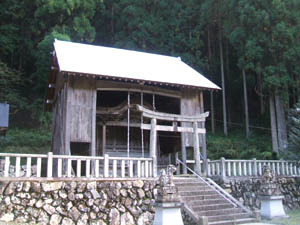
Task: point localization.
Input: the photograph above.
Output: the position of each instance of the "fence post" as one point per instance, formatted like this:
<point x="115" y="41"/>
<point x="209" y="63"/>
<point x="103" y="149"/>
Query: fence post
<point x="254" y="167"/>
<point x="282" y="167"/>
<point x="178" y="164"/>
<point x="6" y="168"/>
<point x="208" y="168"/>
<point x="170" y="158"/>
<point x="106" y="165"/>
<point x="50" y="164"/>
<point x="223" y="168"/>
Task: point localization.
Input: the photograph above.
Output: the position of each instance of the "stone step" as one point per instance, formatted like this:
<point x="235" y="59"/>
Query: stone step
<point x="188" y="183"/>
<point x="194" y="188"/>
<point x="198" y="193"/>
<point x="219" y="212"/>
<point x="232" y="217"/>
<point x="207" y="202"/>
<point x="203" y="200"/>
<point x="201" y="207"/>
<point x="231" y="222"/>
<point x="202" y="197"/>
<point x="188" y="180"/>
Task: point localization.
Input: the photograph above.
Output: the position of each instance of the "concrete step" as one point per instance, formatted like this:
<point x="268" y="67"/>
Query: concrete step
<point x="187" y="180"/>
<point x="219" y="212"/>
<point x="194" y="188"/>
<point x="230" y="222"/>
<point x="202" y="207"/>
<point x="232" y="217"/>
<point x="199" y="193"/>
<point x="199" y="196"/>
<point x="207" y="202"/>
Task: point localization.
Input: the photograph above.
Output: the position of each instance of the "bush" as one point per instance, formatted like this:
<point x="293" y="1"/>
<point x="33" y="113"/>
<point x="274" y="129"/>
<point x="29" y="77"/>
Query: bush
<point x="294" y="129"/>
<point x="235" y="146"/>
<point x="26" y="141"/>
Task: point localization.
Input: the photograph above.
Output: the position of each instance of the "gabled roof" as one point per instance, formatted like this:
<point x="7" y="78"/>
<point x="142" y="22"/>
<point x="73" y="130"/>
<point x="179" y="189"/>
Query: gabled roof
<point x="125" y="65"/>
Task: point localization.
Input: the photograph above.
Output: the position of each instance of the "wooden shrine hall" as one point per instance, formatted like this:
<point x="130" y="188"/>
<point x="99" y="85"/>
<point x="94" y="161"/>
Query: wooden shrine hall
<point x="125" y="103"/>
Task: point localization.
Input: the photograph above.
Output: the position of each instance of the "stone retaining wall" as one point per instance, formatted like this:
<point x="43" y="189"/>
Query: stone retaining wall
<point x="126" y="202"/>
<point x="246" y="191"/>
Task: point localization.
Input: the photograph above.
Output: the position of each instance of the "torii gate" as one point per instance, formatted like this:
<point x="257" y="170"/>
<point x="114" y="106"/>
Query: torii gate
<point x="174" y="118"/>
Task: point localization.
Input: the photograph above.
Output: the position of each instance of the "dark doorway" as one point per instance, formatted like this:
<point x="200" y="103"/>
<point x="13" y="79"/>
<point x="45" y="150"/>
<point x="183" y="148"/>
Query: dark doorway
<point x="82" y="149"/>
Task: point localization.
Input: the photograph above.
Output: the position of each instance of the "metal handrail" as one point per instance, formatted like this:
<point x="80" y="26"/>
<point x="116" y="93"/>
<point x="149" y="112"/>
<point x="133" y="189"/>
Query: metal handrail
<point x="217" y="188"/>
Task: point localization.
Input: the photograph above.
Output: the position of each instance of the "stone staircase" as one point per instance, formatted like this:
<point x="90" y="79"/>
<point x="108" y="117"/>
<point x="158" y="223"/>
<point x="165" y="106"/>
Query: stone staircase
<point x="204" y="199"/>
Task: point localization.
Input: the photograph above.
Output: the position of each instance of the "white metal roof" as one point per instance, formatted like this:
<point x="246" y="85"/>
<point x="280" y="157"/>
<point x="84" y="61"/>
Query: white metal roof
<point x="126" y="64"/>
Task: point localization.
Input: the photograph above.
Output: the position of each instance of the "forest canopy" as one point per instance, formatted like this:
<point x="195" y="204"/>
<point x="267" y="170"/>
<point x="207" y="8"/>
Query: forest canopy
<point x="249" y="48"/>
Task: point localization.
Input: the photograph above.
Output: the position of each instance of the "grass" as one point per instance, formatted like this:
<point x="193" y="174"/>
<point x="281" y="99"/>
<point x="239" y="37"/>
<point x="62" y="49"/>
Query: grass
<point x="294" y="219"/>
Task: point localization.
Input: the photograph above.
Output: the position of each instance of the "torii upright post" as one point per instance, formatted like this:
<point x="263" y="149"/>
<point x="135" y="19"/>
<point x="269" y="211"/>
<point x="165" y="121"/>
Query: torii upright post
<point x="153" y="145"/>
<point x="196" y="149"/>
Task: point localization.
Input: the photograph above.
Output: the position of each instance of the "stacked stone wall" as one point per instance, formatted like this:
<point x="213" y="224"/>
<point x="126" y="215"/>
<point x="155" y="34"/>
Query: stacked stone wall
<point x="126" y="202"/>
<point x="246" y="191"/>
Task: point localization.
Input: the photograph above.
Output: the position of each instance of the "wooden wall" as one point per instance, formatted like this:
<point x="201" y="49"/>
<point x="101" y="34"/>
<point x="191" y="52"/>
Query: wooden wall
<point x="190" y="106"/>
<point x="74" y="115"/>
<point x="58" y="122"/>
<point x="74" y="112"/>
<point x="81" y="110"/>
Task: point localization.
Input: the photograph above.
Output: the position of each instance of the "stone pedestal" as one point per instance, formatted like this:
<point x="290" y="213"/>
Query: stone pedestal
<point x="271" y="206"/>
<point x="167" y="205"/>
<point x="168" y="213"/>
<point x="270" y="196"/>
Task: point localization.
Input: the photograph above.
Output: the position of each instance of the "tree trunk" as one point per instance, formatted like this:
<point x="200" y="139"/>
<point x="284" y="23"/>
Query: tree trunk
<point x="246" y="104"/>
<point x="212" y="110"/>
<point x="259" y="92"/>
<point x="281" y="123"/>
<point x="112" y="31"/>
<point x="223" y="84"/>
<point x="273" y="125"/>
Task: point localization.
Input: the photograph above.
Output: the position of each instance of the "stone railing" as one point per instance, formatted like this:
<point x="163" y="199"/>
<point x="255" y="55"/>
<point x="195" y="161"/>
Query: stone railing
<point x="246" y="168"/>
<point x="42" y="165"/>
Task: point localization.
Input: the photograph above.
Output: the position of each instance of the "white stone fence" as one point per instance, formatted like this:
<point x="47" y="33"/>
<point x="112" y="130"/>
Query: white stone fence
<point x="230" y="168"/>
<point x="244" y="168"/>
<point x="49" y="165"/>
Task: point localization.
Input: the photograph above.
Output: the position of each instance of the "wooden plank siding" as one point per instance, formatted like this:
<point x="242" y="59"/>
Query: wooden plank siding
<point x="58" y="128"/>
<point x="81" y="110"/>
<point x="191" y="104"/>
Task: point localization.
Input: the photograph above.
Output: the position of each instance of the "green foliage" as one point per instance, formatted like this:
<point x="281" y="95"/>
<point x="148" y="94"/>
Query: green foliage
<point x="294" y="129"/>
<point x="259" y="36"/>
<point x="42" y="62"/>
<point x="235" y="146"/>
<point x="26" y="141"/>
<point x="266" y="37"/>
<point x="10" y="85"/>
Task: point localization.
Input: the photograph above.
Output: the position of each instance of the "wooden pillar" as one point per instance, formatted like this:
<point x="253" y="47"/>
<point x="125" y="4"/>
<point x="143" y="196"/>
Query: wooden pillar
<point x="153" y="145"/>
<point x="203" y="136"/>
<point x="103" y="139"/>
<point x="93" y="124"/>
<point x="128" y="123"/>
<point x="91" y="170"/>
<point x="67" y="111"/>
<point x="183" y="153"/>
<point x="68" y="96"/>
<point x="196" y="149"/>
